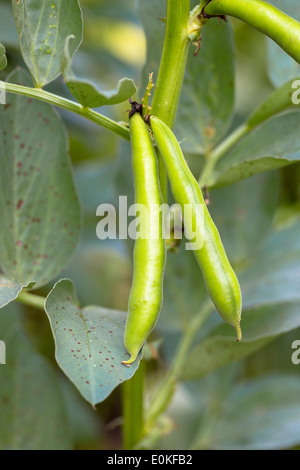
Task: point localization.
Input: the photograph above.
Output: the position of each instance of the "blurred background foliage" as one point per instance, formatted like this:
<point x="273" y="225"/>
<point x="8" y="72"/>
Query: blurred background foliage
<point x="248" y="394"/>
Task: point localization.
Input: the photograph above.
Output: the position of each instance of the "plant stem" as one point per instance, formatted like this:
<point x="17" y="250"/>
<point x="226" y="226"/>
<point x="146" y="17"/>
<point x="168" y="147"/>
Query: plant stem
<point x="265" y="17"/>
<point x="167" y="389"/>
<point x="214" y="157"/>
<point x="173" y="61"/>
<point x="69" y="105"/>
<point x="164" y="105"/>
<point x="133" y="409"/>
<point x="32" y="300"/>
<point x="171" y="71"/>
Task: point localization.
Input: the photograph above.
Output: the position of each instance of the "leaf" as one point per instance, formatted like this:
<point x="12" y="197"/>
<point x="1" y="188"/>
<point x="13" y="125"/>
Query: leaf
<point x="95" y="184"/>
<point x="278" y="101"/>
<point x="184" y="291"/>
<point x="278" y="265"/>
<point x="42" y="29"/>
<point x="3" y="58"/>
<point x="281" y="67"/>
<point x="260" y="414"/>
<point x="86" y="92"/>
<point x="271" y="305"/>
<point x="207" y="99"/>
<point x="89" y="343"/>
<point x="32" y="415"/>
<point x="244" y="222"/>
<point x="9" y="290"/>
<point x="40" y="213"/>
<point x="8" y="33"/>
<point x="259" y="325"/>
<point x="273" y="144"/>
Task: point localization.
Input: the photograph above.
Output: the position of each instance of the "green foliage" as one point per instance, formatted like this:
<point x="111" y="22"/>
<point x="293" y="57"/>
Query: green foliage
<point x="89" y="343"/>
<point x="85" y="91"/>
<point x="42" y="29"/>
<point x="207" y="98"/>
<point x="32" y="414"/>
<point x="40" y="220"/>
<point x="9" y="290"/>
<point x="280" y="66"/>
<point x="228" y="395"/>
<point x="258" y="151"/>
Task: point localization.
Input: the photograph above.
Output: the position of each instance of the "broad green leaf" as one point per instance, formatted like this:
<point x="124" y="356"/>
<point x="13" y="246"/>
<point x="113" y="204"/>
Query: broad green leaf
<point x="3" y="58"/>
<point x="32" y="414"/>
<point x="260" y="414"/>
<point x="9" y="290"/>
<point x="244" y="222"/>
<point x="43" y="27"/>
<point x="271" y="301"/>
<point x="278" y="101"/>
<point x="274" y="275"/>
<point x="85" y="425"/>
<point x="40" y="213"/>
<point x="207" y="98"/>
<point x="89" y="343"/>
<point x="8" y="33"/>
<point x="215" y="352"/>
<point x="273" y="144"/>
<point x="281" y="67"/>
<point x="260" y="326"/>
<point x="95" y="184"/>
<point x="86" y="92"/>
<point x="184" y="290"/>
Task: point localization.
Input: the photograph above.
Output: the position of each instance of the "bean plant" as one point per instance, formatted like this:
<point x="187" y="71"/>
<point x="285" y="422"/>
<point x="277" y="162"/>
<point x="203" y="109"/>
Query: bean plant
<point x="225" y="77"/>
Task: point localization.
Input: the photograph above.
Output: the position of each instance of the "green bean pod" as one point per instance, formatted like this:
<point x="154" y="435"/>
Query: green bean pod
<point x="268" y="19"/>
<point x="220" y="279"/>
<point x="146" y="293"/>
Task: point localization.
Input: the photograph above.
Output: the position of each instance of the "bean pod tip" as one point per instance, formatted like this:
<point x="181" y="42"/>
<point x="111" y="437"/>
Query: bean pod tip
<point x="238" y="332"/>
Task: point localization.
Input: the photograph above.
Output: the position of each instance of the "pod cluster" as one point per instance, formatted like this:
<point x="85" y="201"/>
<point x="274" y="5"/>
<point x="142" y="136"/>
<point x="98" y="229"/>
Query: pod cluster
<point x="146" y="294"/>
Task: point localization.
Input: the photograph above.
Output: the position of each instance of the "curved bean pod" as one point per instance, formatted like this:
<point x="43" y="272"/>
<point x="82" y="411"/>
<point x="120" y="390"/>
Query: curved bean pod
<point x="220" y="279"/>
<point x="268" y="19"/>
<point x="146" y="293"/>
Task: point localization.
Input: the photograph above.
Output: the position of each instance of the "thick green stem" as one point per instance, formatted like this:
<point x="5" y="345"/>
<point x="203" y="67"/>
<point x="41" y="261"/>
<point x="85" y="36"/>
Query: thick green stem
<point x="164" y="105"/>
<point x="69" y="105"/>
<point x="265" y="17"/>
<point x="214" y="157"/>
<point x="133" y="408"/>
<point x="166" y="390"/>
<point x="173" y="61"/>
<point x="32" y="300"/>
<point x="171" y="71"/>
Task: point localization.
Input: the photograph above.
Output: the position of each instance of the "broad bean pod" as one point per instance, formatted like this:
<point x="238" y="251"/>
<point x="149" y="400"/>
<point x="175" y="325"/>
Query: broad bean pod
<point x="220" y="278"/>
<point x="146" y="293"/>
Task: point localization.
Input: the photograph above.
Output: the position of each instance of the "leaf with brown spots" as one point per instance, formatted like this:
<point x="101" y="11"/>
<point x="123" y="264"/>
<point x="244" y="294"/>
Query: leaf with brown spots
<point x="40" y="212"/>
<point x="42" y="28"/>
<point x="9" y="290"/>
<point x="89" y="343"/>
<point x="32" y="408"/>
